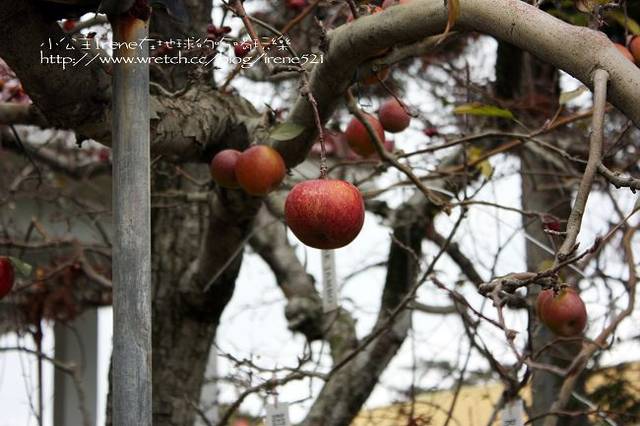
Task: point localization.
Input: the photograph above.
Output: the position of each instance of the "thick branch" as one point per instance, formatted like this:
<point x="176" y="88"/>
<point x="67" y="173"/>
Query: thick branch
<point x="576" y="50"/>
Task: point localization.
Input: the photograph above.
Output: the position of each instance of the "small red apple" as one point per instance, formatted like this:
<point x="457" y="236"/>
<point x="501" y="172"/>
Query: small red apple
<point x="325" y="213"/>
<point x="296" y="5"/>
<point x="242" y="49"/>
<point x="624" y="51"/>
<point x="329" y="144"/>
<point x="393" y="116"/>
<point x="431" y="131"/>
<point x="543" y="297"/>
<point x="69" y="25"/>
<point x="564" y="313"/>
<point x="223" y="168"/>
<point x="259" y="170"/>
<point x="7" y="276"/>
<point x="634" y="48"/>
<point x="358" y="137"/>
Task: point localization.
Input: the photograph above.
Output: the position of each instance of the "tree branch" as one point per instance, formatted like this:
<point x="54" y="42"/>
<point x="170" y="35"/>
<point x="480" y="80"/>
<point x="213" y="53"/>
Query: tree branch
<point x="595" y="154"/>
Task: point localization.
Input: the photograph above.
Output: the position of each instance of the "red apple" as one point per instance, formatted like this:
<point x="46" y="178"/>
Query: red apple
<point x="223" y="168"/>
<point x="634" y="48"/>
<point x="393" y="117"/>
<point x="259" y="170"/>
<point x="296" y="5"/>
<point x="624" y="51"/>
<point x="564" y="313"/>
<point x="241" y="49"/>
<point x="431" y="132"/>
<point x="325" y="213"/>
<point x="329" y="144"/>
<point x="69" y="24"/>
<point x="543" y="297"/>
<point x="358" y="137"/>
<point x="7" y="276"/>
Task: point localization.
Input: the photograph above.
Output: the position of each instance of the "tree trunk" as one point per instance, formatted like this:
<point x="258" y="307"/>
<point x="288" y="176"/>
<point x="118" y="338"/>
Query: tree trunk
<point x="185" y="317"/>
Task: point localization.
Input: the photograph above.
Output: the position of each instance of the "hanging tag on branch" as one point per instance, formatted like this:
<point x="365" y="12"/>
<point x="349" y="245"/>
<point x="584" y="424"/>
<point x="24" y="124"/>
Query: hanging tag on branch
<point x="512" y="413"/>
<point x="329" y="281"/>
<point x="278" y="414"/>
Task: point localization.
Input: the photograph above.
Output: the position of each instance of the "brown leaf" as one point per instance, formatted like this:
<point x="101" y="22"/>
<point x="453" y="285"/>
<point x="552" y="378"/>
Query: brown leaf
<point x="453" y="7"/>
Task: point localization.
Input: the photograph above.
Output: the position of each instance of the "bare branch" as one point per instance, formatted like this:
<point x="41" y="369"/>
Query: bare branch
<point x="600" y="78"/>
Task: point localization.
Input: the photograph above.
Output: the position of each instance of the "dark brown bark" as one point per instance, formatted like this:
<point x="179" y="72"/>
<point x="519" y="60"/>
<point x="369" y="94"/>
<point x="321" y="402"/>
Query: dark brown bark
<point x="191" y="244"/>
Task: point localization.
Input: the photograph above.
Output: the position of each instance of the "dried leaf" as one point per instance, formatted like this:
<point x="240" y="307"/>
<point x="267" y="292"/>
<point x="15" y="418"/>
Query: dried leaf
<point x="453" y="13"/>
<point x="566" y="97"/>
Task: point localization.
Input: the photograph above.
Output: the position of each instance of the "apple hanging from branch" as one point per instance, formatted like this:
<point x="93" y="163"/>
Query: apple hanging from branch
<point x="563" y="312"/>
<point x="325" y="213"/>
<point x="259" y="170"/>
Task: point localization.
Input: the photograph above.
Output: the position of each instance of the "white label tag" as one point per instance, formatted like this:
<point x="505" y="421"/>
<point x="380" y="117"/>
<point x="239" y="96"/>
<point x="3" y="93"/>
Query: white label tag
<point x="329" y="281"/>
<point x="512" y="413"/>
<point x="278" y="415"/>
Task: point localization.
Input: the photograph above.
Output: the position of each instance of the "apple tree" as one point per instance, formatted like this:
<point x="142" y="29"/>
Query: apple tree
<point x="229" y="169"/>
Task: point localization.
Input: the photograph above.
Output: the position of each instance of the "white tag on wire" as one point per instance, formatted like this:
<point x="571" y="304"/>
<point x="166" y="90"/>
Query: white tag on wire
<point x="278" y="414"/>
<point x="329" y="281"/>
<point x="512" y="413"/>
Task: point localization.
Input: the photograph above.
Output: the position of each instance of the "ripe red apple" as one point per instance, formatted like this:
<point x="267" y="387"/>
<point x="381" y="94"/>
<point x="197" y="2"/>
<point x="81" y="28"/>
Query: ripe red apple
<point x="296" y="5"/>
<point x="393" y="117"/>
<point x="543" y="297"/>
<point x="7" y="276"/>
<point x="624" y="51"/>
<point x="431" y="131"/>
<point x="241" y="49"/>
<point x="223" y="168"/>
<point x="358" y="137"/>
<point x="69" y="24"/>
<point x="329" y="144"/>
<point x="634" y="48"/>
<point x="259" y="170"/>
<point x="325" y="213"/>
<point x="564" y="313"/>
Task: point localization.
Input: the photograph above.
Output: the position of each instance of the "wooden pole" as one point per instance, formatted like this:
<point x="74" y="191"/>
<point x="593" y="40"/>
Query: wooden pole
<point x="132" y="220"/>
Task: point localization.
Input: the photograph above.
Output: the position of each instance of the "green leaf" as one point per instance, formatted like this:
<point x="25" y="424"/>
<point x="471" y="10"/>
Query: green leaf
<point x="286" y="131"/>
<point x="632" y="25"/>
<point x="483" y="110"/>
<point x="566" y="97"/>
<point x="23" y="268"/>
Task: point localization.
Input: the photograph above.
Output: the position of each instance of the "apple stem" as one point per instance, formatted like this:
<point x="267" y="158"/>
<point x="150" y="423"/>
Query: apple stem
<point x="323" y="153"/>
<point x="323" y="156"/>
